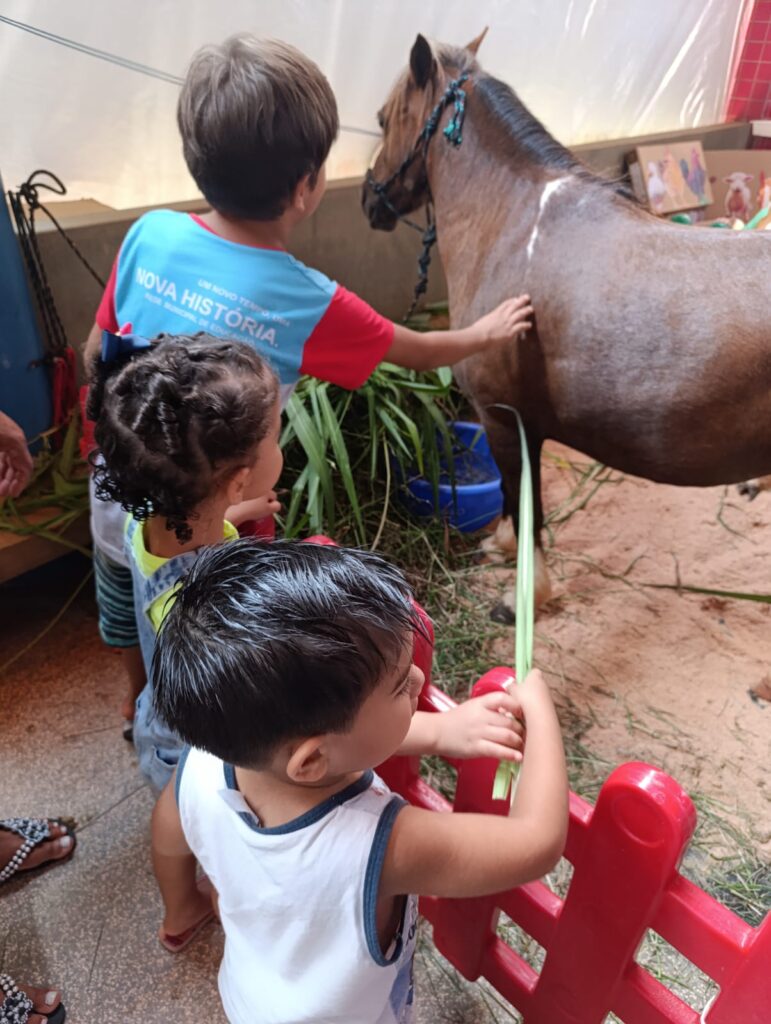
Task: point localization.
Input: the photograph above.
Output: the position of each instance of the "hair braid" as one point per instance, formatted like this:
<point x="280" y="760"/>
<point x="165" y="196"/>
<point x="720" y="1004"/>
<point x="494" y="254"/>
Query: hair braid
<point x="171" y="421"/>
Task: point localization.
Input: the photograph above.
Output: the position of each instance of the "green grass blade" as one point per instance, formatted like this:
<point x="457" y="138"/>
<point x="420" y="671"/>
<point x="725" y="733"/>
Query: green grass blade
<point x="733" y="595"/>
<point x="374" y="433"/>
<point x="525" y="564"/>
<point x="440" y="429"/>
<point x="505" y="777"/>
<point x="444" y="373"/>
<point x="320" y="489"/>
<point x="398" y="443"/>
<point x="299" y="491"/>
<point x="340" y="451"/>
<point x="411" y="430"/>
<point x="315" y="505"/>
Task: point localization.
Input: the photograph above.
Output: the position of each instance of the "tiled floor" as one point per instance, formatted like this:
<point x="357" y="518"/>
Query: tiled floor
<point x="89" y="926"/>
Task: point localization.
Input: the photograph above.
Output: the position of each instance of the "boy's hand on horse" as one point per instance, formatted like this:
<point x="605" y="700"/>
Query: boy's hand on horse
<point x="513" y="317"/>
<point x="428" y="350"/>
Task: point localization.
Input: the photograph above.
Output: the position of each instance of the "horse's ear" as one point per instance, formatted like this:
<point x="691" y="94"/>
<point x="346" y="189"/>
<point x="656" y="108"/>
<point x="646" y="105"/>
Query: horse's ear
<point x="473" y="46"/>
<point x="422" y="62"/>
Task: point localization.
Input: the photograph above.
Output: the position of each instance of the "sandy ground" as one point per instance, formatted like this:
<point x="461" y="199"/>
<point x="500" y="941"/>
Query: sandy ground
<point x="680" y="680"/>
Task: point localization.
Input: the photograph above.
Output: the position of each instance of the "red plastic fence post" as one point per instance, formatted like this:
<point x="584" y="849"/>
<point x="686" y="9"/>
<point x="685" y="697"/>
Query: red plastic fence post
<point x="464" y="929"/>
<point x="637" y="834"/>
<point x="745" y="996"/>
<point x="423" y="653"/>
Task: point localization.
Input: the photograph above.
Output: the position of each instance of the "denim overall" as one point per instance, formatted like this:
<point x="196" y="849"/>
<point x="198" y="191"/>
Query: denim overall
<point x="158" y="747"/>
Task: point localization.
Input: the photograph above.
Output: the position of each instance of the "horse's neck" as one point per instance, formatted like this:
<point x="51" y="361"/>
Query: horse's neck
<point x="487" y="209"/>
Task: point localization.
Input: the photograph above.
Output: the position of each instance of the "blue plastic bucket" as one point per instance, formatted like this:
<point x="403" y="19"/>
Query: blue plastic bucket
<point x="478" y="497"/>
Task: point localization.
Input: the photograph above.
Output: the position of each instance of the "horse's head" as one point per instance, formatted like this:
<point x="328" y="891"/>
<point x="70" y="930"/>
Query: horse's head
<point x="397" y="181"/>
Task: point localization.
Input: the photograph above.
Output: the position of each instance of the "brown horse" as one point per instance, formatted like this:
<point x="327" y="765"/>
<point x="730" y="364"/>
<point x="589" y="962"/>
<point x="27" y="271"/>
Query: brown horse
<point x="651" y="350"/>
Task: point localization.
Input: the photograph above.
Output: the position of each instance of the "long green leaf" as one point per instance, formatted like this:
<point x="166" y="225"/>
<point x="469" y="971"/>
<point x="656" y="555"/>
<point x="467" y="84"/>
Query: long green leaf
<point x="506" y="774"/>
<point x="444" y="373"/>
<point x="373" y="433"/>
<point x="315" y="505"/>
<point x="412" y="431"/>
<point x="340" y="451"/>
<point x="299" y="489"/>
<point x="312" y="445"/>
<point x="447" y="439"/>
<point x="393" y="431"/>
<point x="733" y="595"/>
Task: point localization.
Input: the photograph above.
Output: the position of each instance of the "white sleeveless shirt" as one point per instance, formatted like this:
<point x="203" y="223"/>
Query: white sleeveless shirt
<point x="297" y="902"/>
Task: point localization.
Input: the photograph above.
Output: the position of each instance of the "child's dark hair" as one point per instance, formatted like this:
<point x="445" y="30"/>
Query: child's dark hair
<point x="270" y="642"/>
<point x="172" y="417"/>
<point x="255" y="117"/>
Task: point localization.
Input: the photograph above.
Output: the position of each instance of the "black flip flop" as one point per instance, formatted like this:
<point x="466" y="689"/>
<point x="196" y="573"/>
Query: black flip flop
<point x="58" y="1016"/>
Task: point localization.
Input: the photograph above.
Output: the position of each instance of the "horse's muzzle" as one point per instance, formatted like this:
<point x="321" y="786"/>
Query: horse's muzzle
<point x="376" y="211"/>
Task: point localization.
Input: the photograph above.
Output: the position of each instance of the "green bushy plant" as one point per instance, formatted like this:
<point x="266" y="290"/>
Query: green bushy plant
<point x="347" y="451"/>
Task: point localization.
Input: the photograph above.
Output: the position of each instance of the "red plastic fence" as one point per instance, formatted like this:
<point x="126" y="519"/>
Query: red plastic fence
<point x="625" y="852"/>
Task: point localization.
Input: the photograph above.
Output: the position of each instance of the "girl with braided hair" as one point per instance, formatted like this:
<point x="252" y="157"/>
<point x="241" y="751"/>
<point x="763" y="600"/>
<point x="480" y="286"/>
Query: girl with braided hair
<point x="187" y="431"/>
<point x="187" y="434"/>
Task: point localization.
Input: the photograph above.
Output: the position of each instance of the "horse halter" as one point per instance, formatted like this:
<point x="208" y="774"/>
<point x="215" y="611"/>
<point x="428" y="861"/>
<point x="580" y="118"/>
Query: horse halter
<point x="453" y="132"/>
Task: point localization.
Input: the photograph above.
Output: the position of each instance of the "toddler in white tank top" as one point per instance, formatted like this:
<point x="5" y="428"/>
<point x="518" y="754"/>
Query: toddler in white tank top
<point x="288" y="668"/>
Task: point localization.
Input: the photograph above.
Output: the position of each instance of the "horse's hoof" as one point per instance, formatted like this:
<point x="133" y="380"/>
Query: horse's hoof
<point x="749" y="489"/>
<point x="543" y="591"/>
<point x="502" y="614"/>
<point x="501" y="545"/>
<point x="492" y="557"/>
<point x="491" y="553"/>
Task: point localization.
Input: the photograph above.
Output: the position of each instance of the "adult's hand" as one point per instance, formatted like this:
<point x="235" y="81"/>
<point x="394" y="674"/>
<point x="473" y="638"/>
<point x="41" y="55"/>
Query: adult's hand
<point x="15" y="459"/>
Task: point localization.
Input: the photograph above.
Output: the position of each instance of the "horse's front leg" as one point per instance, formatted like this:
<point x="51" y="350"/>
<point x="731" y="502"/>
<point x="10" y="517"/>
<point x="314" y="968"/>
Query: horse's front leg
<point x="502" y="545"/>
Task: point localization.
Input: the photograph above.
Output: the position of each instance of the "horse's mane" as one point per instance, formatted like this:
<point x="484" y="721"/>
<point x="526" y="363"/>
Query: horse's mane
<point x="528" y="136"/>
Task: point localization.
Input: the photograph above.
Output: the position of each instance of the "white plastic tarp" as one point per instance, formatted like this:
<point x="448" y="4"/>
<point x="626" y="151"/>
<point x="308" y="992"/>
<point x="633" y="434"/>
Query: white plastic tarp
<point x="589" y="69"/>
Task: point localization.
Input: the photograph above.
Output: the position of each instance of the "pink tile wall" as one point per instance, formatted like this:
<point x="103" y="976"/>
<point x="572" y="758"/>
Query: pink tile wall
<point x="750" y="94"/>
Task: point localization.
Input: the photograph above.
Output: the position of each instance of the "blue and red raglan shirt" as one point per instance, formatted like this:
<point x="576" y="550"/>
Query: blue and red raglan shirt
<point x="174" y="275"/>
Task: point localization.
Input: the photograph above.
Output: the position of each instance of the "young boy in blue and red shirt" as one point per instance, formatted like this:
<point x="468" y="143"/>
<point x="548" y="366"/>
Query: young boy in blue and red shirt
<point x="257" y="120"/>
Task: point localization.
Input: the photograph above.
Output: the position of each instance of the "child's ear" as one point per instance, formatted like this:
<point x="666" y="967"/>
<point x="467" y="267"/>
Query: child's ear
<point x="303" y="189"/>
<point x="308" y="763"/>
<point x="236" y="484"/>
